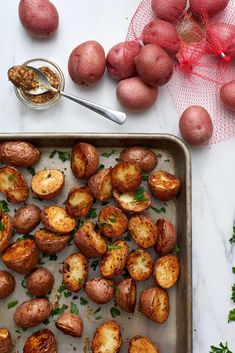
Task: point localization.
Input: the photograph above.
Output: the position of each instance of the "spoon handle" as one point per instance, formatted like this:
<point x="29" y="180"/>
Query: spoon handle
<point x="111" y="114"/>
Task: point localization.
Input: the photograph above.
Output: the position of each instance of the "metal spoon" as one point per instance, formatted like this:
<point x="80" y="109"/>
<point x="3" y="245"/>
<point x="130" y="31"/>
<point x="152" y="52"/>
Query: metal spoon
<point x="45" y="86"/>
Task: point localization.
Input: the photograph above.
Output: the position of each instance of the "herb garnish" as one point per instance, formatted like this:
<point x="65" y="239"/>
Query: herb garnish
<point x="52" y="154"/>
<point x="111" y="247"/>
<point x="80" y="280"/>
<point x="31" y="171"/>
<point x="67" y="294"/>
<point x="233" y="269"/>
<point x="145" y="178"/>
<point x="98" y="318"/>
<point x="231" y="315"/>
<point x="232" y="239"/>
<point x="92" y="214"/>
<point x="4" y="206"/>
<point x="221" y="349"/>
<point x="139" y="195"/>
<point x="159" y="155"/>
<point x="113" y="219"/>
<point x="12" y="304"/>
<point x="46" y="322"/>
<point x="115" y="312"/>
<point x="101" y="166"/>
<point x="2" y="227"/>
<point x="53" y="258"/>
<point x="107" y="154"/>
<point x="23" y="282"/>
<point x="233" y="293"/>
<point x="127" y="237"/>
<point x="29" y="294"/>
<point x="59" y="310"/>
<point x="159" y="210"/>
<point x="11" y="177"/>
<point x="177" y="249"/>
<point x="25" y="236"/>
<point x="94" y="265"/>
<point x="74" y="308"/>
<point x="83" y="301"/>
<point x="64" y="156"/>
<point x="97" y="311"/>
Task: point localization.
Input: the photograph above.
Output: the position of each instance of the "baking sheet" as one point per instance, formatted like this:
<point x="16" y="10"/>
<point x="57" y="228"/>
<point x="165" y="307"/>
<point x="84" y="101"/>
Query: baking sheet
<point x="174" y="336"/>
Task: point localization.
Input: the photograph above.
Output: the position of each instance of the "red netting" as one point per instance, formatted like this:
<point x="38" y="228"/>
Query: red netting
<point x="205" y="62"/>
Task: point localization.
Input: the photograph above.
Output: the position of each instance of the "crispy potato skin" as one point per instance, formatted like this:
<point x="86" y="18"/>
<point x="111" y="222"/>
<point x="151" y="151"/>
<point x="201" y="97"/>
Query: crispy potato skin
<point x="166" y="271"/>
<point x="18" y="154"/>
<point x="84" y="160"/>
<point x="89" y="240"/>
<point x="50" y="243"/>
<point x="154" y="303"/>
<point x="40" y="282"/>
<point x="41" y="342"/>
<point x="146" y="159"/>
<point x="75" y="271"/>
<point x="56" y="219"/>
<point x="100" y="290"/>
<point x="127" y="202"/>
<point x="7" y="284"/>
<point x="143" y="230"/>
<point x="5" y="341"/>
<point x="167" y="237"/>
<point x="21" y="256"/>
<point x="7" y="231"/>
<point x="126" y="176"/>
<point x="107" y="338"/>
<point x="125" y="295"/>
<point x="163" y="185"/>
<point x="79" y="202"/>
<point x="27" y="218"/>
<point x="112" y="222"/>
<point x="114" y="261"/>
<point x="101" y="184"/>
<point x="13" y="185"/>
<point x="140" y="265"/>
<point x="70" y="324"/>
<point x="48" y="183"/>
<point x="141" y="344"/>
<point x="32" y="312"/>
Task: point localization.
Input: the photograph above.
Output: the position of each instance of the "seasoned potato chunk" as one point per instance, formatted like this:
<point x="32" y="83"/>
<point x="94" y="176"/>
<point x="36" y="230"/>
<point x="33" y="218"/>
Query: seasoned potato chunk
<point x="141" y="344"/>
<point x="41" y="342"/>
<point x="6" y="230"/>
<point x="18" y="153"/>
<point x="140" y="264"/>
<point x="114" y="261"/>
<point x="143" y="230"/>
<point x="107" y="338"/>
<point x="126" y="176"/>
<point x="57" y="220"/>
<point x="7" y="284"/>
<point x="70" y="324"/>
<point x="101" y="184"/>
<point x="48" y="183"/>
<point x="6" y="344"/>
<point x="75" y="272"/>
<point x="125" y="295"/>
<point x="13" y="185"/>
<point x="145" y="158"/>
<point x="154" y="303"/>
<point x="79" y="202"/>
<point x="167" y="237"/>
<point x="163" y="185"/>
<point x="27" y="218"/>
<point x="166" y="271"/>
<point x="84" y="160"/>
<point x="50" y="243"/>
<point x="112" y="222"/>
<point x="135" y="202"/>
<point x="100" y="290"/>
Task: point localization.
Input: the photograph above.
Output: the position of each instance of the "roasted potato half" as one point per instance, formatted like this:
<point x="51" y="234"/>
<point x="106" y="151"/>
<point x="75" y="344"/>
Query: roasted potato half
<point x="84" y="160"/>
<point x="75" y="271"/>
<point x="21" y="256"/>
<point x="167" y="237"/>
<point x="154" y="303"/>
<point x="140" y="265"/>
<point x="56" y="219"/>
<point x="70" y="324"/>
<point x="18" y="153"/>
<point x="6" y="344"/>
<point x="89" y="240"/>
<point x="126" y="176"/>
<point x="134" y="202"/>
<point x="27" y="218"/>
<point x="13" y="185"/>
<point x="141" y="344"/>
<point x="79" y="202"/>
<point x="41" y="342"/>
<point x="145" y="158"/>
<point x="101" y="184"/>
<point x="40" y="282"/>
<point x="114" y="261"/>
<point x="7" y="284"/>
<point x="166" y="271"/>
<point x="32" y="312"/>
<point x="143" y="230"/>
<point x="112" y="222"/>
<point x="163" y="185"/>
<point x="6" y="230"/>
<point x="100" y="290"/>
<point x="107" y="338"/>
<point x="47" y="183"/>
<point x="50" y="243"/>
<point x="125" y="295"/>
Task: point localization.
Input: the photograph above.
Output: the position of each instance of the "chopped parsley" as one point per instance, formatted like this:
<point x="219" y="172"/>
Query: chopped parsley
<point x="4" y="206"/>
<point x="98" y="318"/>
<point x="2" y="227"/>
<point x="145" y="177"/>
<point x="232" y="239"/>
<point x="111" y="247"/>
<point x="46" y="322"/>
<point x="74" y="309"/>
<point x="31" y="171"/>
<point x="29" y="294"/>
<point x="53" y="258"/>
<point x="127" y="237"/>
<point x="233" y="269"/>
<point x="159" y="155"/>
<point x="23" y="282"/>
<point x="159" y="210"/>
<point x="233" y="293"/>
<point x="139" y="195"/>
<point x="117" y="159"/>
<point x="59" y="310"/>
<point x="100" y="167"/>
<point x="83" y="301"/>
<point x="11" y="177"/>
<point x="113" y="219"/>
<point x="25" y="236"/>
<point x="94" y="264"/>
<point x="64" y="156"/>
<point x="52" y="154"/>
<point x="80" y="280"/>
<point x="12" y="304"/>
<point x="67" y="294"/>
<point x="61" y="288"/>
<point x="97" y="310"/>
<point x="145" y="147"/>
<point x="166" y="160"/>
<point x="107" y="154"/>
<point x="221" y="349"/>
<point x="92" y="214"/>
<point x="231" y="315"/>
<point x="177" y="249"/>
<point x="115" y="312"/>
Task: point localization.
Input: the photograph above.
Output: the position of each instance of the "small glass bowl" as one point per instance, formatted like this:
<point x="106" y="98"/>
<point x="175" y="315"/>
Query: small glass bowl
<point x="37" y="63"/>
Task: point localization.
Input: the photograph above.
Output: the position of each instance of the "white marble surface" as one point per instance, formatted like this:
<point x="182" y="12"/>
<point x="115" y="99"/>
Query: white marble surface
<point x="213" y="169"/>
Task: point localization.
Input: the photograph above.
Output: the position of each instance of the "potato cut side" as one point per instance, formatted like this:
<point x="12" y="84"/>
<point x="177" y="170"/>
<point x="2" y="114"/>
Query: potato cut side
<point x="50" y="243"/>
<point x="101" y="184"/>
<point x="114" y="261"/>
<point x="6" y="230"/>
<point x="75" y="272"/>
<point x="125" y="295"/>
<point x="47" y="184"/>
<point x="13" y="185"/>
<point x="166" y="271"/>
<point x="79" y="202"/>
<point x="84" y="160"/>
<point x="112" y="222"/>
<point x="39" y="340"/>
<point x="143" y="230"/>
<point x="56" y="219"/>
<point x="163" y="185"/>
<point x="140" y="265"/>
<point x="154" y="303"/>
<point x="131" y="202"/>
<point x="141" y="344"/>
<point x="107" y="338"/>
<point x="126" y="176"/>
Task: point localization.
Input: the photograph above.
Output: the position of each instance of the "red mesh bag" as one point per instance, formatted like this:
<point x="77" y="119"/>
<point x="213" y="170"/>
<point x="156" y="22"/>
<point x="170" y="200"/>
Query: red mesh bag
<point x="205" y="60"/>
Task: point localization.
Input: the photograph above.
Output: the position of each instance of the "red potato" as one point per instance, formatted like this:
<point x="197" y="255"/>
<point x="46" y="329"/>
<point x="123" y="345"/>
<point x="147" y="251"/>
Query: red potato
<point x="38" y="17"/>
<point x="120" y="60"/>
<point x="40" y="282"/>
<point x="146" y="159"/>
<point x="100" y="290"/>
<point x="84" y="160"/>
<point x="135" y="95"/>
<point x="168" y="10"/>
<point x="227" y="95"/>
<point x="154" y="303"/>
<point x="195" y="125"/>
<point x="221" y="36"/>
<point x="70" y="324"/>
<point x="6" y="344"/>
<point x="86" y="63"/>
<point x="125" y="295"/>
<point x="163" y="34"/>
<point x="208" y="7"/>
<point x="154" y="65"/>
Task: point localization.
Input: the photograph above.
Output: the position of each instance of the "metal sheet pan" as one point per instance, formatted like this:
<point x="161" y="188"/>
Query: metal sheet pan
<point x="175" y="336"/>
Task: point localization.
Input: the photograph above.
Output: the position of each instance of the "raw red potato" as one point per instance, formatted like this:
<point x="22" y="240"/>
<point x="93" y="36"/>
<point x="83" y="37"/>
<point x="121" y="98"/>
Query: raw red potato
<point x="208" y="7"/>
<point x="221" y="38"/>
<point x="227" y="95"/>
<point x="168" y="10"/>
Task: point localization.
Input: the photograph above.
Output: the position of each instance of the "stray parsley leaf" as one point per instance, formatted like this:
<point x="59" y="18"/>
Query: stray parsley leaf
<point x="117" y="159"/>
<point x="233" y="269"/>
<point x="98" y="318"/>
<point x="12" y="304"/>
<point x="26" y="236"/>
<point x="64" y="156"/>
<point x="97" y="310"/>
<point x="80" y="280"/>
<point x="46" y="322"/>
<point x="31" y="171"/>
<point x="127" y="237"/>
<point x="113" y="219"/>
<point x="92" y="214"/>
<point x="2" y="227"/>
<point x="139" y="195"/>
<point x="233" y="293"/>
<point x="61" y="288"/>
<point x="221" y="349"/>
<point x="159" y="210"/>
<point x="67" y="294"/>
<point x="167" y="160"/>
<point x="74" y="308"/>
<point x="83" y="301"/>
<point x="100" y="167"/>
<point x="11" y="177"/>
<point x="107" y="154"/>
<point x="232" y="239"/>
<point x="177" y="249"/>
<point x="52" y="154"/>
<point x="59" y="310"/>
<point x="159" y="155"/>
<point x="53" y="258"/>
<point x="115" y="312"/>
<point x="145" y="178"/>
<point x="231" y="315"/>
<point x="23" y="282"/>
<point x="111" y="247"/>
<point x="4" y="206"/>
<point x="94" y="265"/>
<point x="29" y="294"/>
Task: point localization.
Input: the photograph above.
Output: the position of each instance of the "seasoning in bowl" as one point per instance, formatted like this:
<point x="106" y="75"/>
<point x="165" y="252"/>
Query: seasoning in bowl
<point x="23" y="77"/>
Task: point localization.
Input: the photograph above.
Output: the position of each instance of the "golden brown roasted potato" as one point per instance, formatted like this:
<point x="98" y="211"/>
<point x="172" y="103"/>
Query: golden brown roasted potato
<point x="41" y="342"/>
<point x="107" y="338"/>
<point x="141" y="344"/>
<point x="21" y="256"/>
<point x="40" y="282"/>
<point x="154" y="303"/>
<point x="70" y="324"/>
<point x="146" y="159"/>
<point x="140" y="264"/>
<point x="114" y="261"/>
<point x="79" y="202"/>
<point x="126" y="176"/>
<point x="166" y="271"/>
<point x="75" y="272"/>
<point x="47" y="183"/>
<point x="6" y="230"/>
<point x="100" y="290"/>
<point x="6" y="345"/>
<point x="101" y="184"/>
<point x="167" y="237"/>
<point x="56" y="219"/>
<point x="125" y="295"/>
<point x="13" y="185"/>
<point x="112" y="222"/>
<point x="27" y="218"/>
<point x="143" y="230"/>
<point x="84" y="160"/>
<point x="18" y="153"/>
<point x="135" y="202"/>
<point x="32" y="312"/>
<point x="7" y="284"/>
<point x="89" y="240"/>
<point x="50" y="243"/>
<point x="163" y="185"/>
